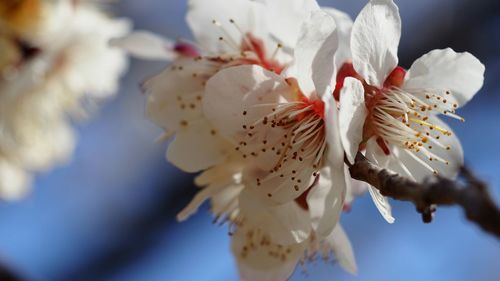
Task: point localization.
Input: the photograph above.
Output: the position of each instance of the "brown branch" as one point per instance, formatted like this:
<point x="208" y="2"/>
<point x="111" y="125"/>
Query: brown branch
<point x="472" y="195"/>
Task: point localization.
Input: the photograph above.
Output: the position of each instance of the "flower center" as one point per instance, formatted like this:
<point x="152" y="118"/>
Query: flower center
<point x="289" y="139"/>
<point x="251" y="49"/>
<point x="405" y="117"/>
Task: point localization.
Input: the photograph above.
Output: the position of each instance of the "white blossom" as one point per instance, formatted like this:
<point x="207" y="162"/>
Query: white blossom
<point x="226" y="34"/>
<point x="286" y="129"/>
<point x="57" y="58"/>
<point x="394" y="112"/>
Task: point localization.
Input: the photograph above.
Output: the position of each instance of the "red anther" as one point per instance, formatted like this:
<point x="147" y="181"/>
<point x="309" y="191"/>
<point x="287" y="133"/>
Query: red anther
<point x="396" y="78"/>
<point x="253" y="44"/>
<point x="187" y="50"/>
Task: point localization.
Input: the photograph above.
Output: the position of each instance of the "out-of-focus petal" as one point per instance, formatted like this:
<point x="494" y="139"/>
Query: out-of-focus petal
<point x="285" y="18"/>
<point x="146" y="45"/>
<point x="197" y="146"/>
<point x="259" y="258"/>
<point x="342" y="249"/>
<point x="210" y="20"/>
<point x="287" y="223"/>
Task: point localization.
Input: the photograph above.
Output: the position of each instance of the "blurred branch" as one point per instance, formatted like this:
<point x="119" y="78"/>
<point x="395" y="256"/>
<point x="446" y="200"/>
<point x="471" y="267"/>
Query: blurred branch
<point x="472" y="196"/>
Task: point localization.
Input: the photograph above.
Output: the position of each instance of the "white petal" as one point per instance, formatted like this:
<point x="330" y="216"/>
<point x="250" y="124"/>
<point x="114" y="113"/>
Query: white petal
<point x="259" y="258"/>
<point x="382" y="204"/>
<point x="335" y="197"/>
<point x="314" y="53"/>
<point x="227" y="91"/>
<point x="248" y="16"/>
<point x="374" y="154"/>
<point x="197" y="146"/>
<point x="286" y="223"/>
<point x="460" y="73"/>
<point x="285" y="17"/>
<point x="146" y="45"/>
<point x="344" y="26"/>
<point x="375" y="39"/>
<point x="318" y="198"/>
<point x="342" y="249"/>
<point x="200" y="197"/>
<point x="225" y="204"/>
<point x="174" y="96"/>
<point x="15" y="183"/>
<point x="354" y="189"/>
<point x="230" y="168"/>
<point x="352" y="115"/>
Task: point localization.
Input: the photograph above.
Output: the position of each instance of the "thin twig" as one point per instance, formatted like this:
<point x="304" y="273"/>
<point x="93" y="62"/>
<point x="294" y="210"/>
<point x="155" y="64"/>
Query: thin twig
<point x="472" y="195"/>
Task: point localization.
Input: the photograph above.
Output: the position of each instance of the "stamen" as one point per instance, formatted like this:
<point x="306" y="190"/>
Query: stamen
<point x="230" y="41"/>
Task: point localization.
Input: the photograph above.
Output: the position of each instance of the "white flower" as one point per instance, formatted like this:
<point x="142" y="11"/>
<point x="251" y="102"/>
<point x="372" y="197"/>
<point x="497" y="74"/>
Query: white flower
<point x="261" y="242"/>
<point x="259" y="258"/>
<point x="285" y="128"/>
<point x="395" y="112"/>
<point x="55" y="60"/>
<point x="227" y="34"/>
<point x="263" y="255"/>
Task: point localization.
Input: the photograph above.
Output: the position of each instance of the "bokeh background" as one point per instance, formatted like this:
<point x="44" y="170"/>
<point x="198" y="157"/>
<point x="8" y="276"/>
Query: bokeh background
<point x="109" y="214"/>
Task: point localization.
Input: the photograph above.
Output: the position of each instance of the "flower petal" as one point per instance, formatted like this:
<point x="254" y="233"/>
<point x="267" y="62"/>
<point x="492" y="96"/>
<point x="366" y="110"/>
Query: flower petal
<point x="317" y="200"/>
<point x="175" y="95"/>
<point x="206" y="193"/>
<point x="374" y="154"/>
<point x="352" y="115"/>
<point x="259" y="258"/>
<point x="460" y="73"/>
<point x="284" y="18"/>
<point x="230" y="93"/>
<point x="146" y="45"/>
<point x="354" y="189"/>
<point x="225" y="204"/>
<point x="197" y="146"/>
<point x="15" y="183"/>
<point x="246" y="15"/>
<point x="342" y="249"/>
<point x="335" y="197"/>
<point x="314" y="53"/>
<point x="286" y="223"/>
<point x="344" y="26"/>
<point x="374" y="41"/>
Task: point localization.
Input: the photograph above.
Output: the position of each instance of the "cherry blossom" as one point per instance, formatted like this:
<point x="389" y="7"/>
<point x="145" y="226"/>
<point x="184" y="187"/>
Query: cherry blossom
<point x="55" y="54"/>
<point x="286" y="129"/>
<point x="393" y="112"/>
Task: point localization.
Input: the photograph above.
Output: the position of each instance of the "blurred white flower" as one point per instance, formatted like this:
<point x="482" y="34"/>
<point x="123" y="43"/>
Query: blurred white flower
<point x="395" y="112"/>
<point x="57" y="61"/>
<point x="264" y="248"/>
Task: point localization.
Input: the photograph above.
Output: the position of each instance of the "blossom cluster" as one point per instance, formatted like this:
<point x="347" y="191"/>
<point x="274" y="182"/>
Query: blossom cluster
<point x="275" y="98"/>
<point x="55" y="62"/>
